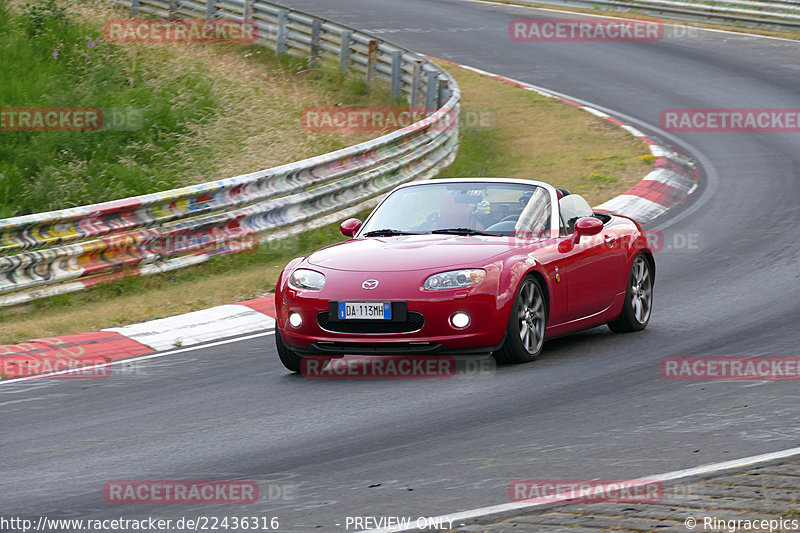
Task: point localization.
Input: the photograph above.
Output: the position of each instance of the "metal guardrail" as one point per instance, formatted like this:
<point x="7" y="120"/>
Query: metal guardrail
<point x="72" y="249"/>
<point x="781" y="15"/>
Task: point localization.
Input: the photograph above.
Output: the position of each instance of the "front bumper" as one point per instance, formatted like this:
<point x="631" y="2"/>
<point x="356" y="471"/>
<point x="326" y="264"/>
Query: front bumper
<point x="433" y="334"/>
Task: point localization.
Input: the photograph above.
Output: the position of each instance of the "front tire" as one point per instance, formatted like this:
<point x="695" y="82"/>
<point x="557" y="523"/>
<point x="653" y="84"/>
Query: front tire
<point x="526" y="325"/>
<point x="290" y="359"/>
<point x="638" y="298"/>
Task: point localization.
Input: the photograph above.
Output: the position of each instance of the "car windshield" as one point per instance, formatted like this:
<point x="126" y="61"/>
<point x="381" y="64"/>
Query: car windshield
<point x="468" y="208"/>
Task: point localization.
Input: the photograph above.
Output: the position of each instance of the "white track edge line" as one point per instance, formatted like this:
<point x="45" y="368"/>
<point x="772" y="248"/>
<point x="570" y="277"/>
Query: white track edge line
<point x="667" y="476"/>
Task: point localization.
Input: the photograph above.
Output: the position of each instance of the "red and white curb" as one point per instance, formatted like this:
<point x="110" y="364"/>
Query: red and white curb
<point x="197" y="327"/>
<point x="673" y="178"/>
<point x="70" y="353"/>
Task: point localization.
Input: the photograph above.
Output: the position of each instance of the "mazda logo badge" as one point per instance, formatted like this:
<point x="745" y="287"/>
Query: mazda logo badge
<point x="369" y="284"/>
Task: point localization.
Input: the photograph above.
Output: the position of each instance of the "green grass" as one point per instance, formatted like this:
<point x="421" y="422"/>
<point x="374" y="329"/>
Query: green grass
<point x="478" y="153"/>
<point x="54" y="58"/>
<point x="52" y="61"/>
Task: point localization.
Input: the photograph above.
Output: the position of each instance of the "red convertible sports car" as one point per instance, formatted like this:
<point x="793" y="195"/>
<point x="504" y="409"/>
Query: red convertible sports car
<point x="461" y="266"/>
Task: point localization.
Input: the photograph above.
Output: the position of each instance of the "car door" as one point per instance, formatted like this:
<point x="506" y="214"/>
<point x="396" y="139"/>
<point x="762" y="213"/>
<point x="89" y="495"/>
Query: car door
<point x="593" y="267"/>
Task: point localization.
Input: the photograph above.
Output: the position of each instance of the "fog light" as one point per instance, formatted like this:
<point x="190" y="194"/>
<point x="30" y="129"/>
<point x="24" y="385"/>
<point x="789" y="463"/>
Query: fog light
<point x="460" y="319"/>
<point x="295" y="319"/>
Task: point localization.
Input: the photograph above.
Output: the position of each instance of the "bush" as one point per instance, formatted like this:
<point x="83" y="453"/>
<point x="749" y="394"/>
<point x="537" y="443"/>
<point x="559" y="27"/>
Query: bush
<point x="44" y="16"/>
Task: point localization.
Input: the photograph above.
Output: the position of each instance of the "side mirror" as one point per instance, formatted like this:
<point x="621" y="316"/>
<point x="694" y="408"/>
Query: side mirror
<point x="586" y="226"/>
<point x="349" y="227"/>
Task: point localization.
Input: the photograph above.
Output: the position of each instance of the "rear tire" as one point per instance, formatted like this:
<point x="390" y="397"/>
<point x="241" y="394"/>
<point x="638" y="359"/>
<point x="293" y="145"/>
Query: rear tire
<point x="290" y="359"/>
<point x="638" y="298"/>
<point x="526" y="325"/>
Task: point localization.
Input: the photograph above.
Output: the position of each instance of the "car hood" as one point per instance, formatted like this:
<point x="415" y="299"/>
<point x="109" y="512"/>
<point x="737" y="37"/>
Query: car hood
<point x="412" y="252"/>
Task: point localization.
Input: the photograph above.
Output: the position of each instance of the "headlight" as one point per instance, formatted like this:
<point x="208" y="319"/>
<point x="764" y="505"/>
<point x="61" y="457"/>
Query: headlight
<point x="455" y="279"/>
<point x="309" y="280"/>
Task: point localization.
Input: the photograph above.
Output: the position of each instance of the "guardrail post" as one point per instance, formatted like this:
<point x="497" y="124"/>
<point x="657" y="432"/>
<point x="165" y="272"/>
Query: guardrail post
<point x="211" y="9"/>
<point x="248" y="11"/>
<point x="173" y="7"/>
<point x="134" y="7"/>
<point x="441" y="93"/>
<point x="416" y="83"/>
<point x="372" y="60"/>
<point x="344" y="52"/>
<point x="397" y="61"/>
<point x="316" y="30"/>
<point x="280" y="40"/>
<point x="431" y="92"/>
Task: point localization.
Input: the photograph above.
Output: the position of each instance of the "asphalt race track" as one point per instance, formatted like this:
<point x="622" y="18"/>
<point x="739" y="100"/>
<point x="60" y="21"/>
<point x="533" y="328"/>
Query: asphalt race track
<point x="594" y="406"/>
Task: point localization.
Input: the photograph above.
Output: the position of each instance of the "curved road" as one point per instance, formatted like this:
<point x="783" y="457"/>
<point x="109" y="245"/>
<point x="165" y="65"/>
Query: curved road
<point x="593" y="407"/>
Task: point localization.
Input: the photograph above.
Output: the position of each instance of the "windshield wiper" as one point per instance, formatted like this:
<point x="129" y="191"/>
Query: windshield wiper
<point x="387" y="232"/>
<point x="462" y="231"/>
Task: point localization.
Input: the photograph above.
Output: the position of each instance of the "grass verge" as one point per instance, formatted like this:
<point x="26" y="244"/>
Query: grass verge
<point x="514" y="133"/>
<point x="505" y="131"/>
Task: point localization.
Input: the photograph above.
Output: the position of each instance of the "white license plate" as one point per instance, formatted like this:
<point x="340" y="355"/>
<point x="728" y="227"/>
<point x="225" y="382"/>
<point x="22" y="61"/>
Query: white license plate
<point x="365" y="310"/>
